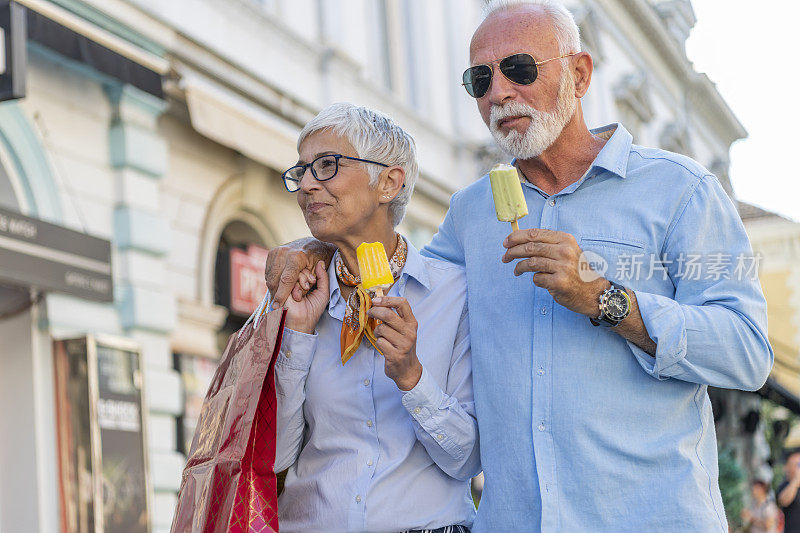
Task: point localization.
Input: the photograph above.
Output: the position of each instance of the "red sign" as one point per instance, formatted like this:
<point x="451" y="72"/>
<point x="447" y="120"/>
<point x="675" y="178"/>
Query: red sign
<point x="247" y="278"/>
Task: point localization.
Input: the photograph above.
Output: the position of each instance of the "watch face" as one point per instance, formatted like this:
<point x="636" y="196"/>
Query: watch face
<point x="617" y="305"/>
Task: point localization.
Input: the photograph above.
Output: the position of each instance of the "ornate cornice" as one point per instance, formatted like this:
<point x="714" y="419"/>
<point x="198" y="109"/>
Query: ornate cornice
<point x="702" y="93"/>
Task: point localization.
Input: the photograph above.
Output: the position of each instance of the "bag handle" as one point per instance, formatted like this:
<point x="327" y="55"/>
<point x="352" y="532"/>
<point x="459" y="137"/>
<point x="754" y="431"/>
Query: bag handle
<point x="258" y="313"/>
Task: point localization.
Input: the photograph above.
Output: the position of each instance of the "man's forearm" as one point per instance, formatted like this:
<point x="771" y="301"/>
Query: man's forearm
<point x="634" y="330"/>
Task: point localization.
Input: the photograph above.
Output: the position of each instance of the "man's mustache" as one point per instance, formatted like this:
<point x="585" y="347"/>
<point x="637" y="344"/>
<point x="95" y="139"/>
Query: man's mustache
<point x="511" y="109"/>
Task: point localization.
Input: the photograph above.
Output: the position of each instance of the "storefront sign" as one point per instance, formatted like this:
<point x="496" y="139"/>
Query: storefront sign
<point x="13" y="50"/>
<point x="39" y="254"/>
<point x="101" y="432"/>
<point x="247" y="278"/>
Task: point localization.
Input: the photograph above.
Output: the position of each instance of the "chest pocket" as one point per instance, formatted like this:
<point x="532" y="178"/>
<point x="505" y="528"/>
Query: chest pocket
<point x="622" y="260"/>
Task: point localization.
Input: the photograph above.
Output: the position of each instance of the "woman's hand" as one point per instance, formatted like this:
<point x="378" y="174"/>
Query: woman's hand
<point x="286" y="264"/>
<point x="397" y="340"/>
<point x="303" y="316"/>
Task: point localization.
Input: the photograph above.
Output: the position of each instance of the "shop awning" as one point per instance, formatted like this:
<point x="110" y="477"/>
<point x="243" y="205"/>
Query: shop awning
<point x="783" y="385"/>
<point x="77" y="39"/>
<point x="35" y="253"/>
<point x="235" y="122"/>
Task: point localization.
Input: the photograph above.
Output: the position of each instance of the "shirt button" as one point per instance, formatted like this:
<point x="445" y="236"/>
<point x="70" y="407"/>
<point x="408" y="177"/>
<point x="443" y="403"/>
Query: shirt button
<point x="369" y="423"/>
<point x="540" y="371"/>
<point x="358" y="499"/>
<point x="440" y="436"/>
<point x="541" y="427"/>
<point x="369" y="463"/>
<point x="288" y="353"/>
<point x="366" y="383"/>
<point x="543" y="310"/>
<point x="552" y="202"/>
<point x="417" y="410"/>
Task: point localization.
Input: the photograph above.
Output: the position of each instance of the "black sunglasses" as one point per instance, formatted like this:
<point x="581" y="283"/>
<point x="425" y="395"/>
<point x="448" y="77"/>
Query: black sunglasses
<point x="521" y="69"/>
<point x="322" y="168"/>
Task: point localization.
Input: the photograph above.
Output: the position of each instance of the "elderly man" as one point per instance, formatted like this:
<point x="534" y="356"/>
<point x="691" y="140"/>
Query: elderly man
<point x="590" y="375"/>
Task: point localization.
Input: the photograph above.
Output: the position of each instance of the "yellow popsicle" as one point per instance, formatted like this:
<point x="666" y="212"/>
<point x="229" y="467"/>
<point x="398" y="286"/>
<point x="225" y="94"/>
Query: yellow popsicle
<point x="374" y="267"/>
<point x="509" y="202"/>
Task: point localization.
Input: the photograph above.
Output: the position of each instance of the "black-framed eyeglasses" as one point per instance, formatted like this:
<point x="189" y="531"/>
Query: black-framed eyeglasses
<point x="322" y="168"/>
<point x="520" y="69"/>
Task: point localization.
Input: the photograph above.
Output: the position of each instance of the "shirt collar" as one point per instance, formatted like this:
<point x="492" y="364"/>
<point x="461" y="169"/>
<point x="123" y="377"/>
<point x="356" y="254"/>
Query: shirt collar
<point x="414" y="268"/>
<point x="614" y="155"/>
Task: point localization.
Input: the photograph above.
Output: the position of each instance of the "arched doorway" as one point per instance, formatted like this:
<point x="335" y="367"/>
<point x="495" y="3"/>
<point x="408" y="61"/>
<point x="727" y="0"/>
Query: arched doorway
<point x="238" y="285"/>
<point x="13" y="299"/>
<point x="238" y="276"/>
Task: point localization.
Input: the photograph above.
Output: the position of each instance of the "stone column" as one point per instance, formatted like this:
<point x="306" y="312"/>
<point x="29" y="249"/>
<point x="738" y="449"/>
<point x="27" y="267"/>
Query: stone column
<point x="146" y="304"/>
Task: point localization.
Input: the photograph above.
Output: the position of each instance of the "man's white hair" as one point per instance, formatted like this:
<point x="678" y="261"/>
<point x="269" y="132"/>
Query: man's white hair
<point x="376" y="137"/>
<point x="567" y="33"/>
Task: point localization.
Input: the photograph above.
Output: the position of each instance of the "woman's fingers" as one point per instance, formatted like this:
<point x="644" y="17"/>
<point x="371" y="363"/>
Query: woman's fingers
<point x="394" y="337"/>
<point x="303" y="279"/>
<point x="321" y="295"/>
<point x="282" y="272"/>
<point x="397" y="303"/>
<point x="385" y="347"/>
<point x="398" y="328"/>
<point x="321" y="277"/>
<point x="387" y="316"/>
<point x="297" y="294"/>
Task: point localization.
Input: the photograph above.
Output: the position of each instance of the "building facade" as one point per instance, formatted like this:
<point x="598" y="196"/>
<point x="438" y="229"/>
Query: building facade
<point x="181" y="176"/>
<point x="776" y="240"/>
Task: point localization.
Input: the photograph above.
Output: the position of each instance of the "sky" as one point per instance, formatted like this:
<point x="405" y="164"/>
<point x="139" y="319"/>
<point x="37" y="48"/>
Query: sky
<point x="748" y="49"/>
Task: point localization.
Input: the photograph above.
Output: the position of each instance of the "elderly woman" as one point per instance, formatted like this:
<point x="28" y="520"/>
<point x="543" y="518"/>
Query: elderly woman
<point x="376" y="420"/>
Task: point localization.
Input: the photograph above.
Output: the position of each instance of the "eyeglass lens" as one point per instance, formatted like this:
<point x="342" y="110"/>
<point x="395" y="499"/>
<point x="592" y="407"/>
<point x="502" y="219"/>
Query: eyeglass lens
<point x="323" y="168"/>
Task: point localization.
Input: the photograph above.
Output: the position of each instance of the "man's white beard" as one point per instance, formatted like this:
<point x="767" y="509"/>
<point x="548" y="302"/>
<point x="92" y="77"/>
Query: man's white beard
<point x="544" y="128"/>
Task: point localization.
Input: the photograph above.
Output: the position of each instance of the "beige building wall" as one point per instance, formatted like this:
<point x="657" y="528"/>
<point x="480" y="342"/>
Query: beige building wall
<point x="777" y="241"/>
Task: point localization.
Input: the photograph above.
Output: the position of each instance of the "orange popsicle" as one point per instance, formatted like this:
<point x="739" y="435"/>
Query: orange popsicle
<point x="374" y="267"/>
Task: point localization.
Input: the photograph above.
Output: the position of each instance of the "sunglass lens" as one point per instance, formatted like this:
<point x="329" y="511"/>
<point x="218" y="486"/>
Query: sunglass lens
<point x="519" y="68"/>
<point x="477" y="80"/>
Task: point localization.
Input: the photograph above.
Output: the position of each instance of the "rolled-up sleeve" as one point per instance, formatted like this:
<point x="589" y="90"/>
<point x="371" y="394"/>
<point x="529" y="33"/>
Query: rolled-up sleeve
<point x="714" y="330"/>
<point x="444" y="418"/>
<point x="291" y="371"/>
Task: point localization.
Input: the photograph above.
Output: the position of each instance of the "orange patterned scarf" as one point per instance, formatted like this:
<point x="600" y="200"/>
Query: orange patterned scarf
<point x="356" y="324"/>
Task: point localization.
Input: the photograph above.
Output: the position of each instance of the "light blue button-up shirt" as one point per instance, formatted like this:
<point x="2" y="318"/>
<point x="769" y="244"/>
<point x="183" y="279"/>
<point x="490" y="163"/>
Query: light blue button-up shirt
<point x="581" y="430"/>
<point x="364" y="455"/>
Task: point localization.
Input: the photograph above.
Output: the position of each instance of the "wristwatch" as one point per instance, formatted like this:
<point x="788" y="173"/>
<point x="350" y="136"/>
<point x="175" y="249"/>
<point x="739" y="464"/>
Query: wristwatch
<point x="615" y="306"/>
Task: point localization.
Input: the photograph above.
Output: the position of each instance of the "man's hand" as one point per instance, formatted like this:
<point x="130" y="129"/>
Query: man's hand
<point x="555" y="259"/>
<point x="397" y="340"/>
<point x="289" y="270"/>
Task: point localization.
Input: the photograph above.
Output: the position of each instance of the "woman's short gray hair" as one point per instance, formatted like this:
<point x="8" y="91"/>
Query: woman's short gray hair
<point x="374" y="136"/>
<point x="567" y="32"/>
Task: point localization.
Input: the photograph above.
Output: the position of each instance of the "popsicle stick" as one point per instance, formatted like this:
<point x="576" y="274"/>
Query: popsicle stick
<point x="378" y="294"/>
<point x="515" y="225"/>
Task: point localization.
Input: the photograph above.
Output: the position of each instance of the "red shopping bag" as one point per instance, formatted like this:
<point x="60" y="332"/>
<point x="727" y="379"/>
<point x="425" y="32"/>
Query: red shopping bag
<point x="228" y="484"/>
